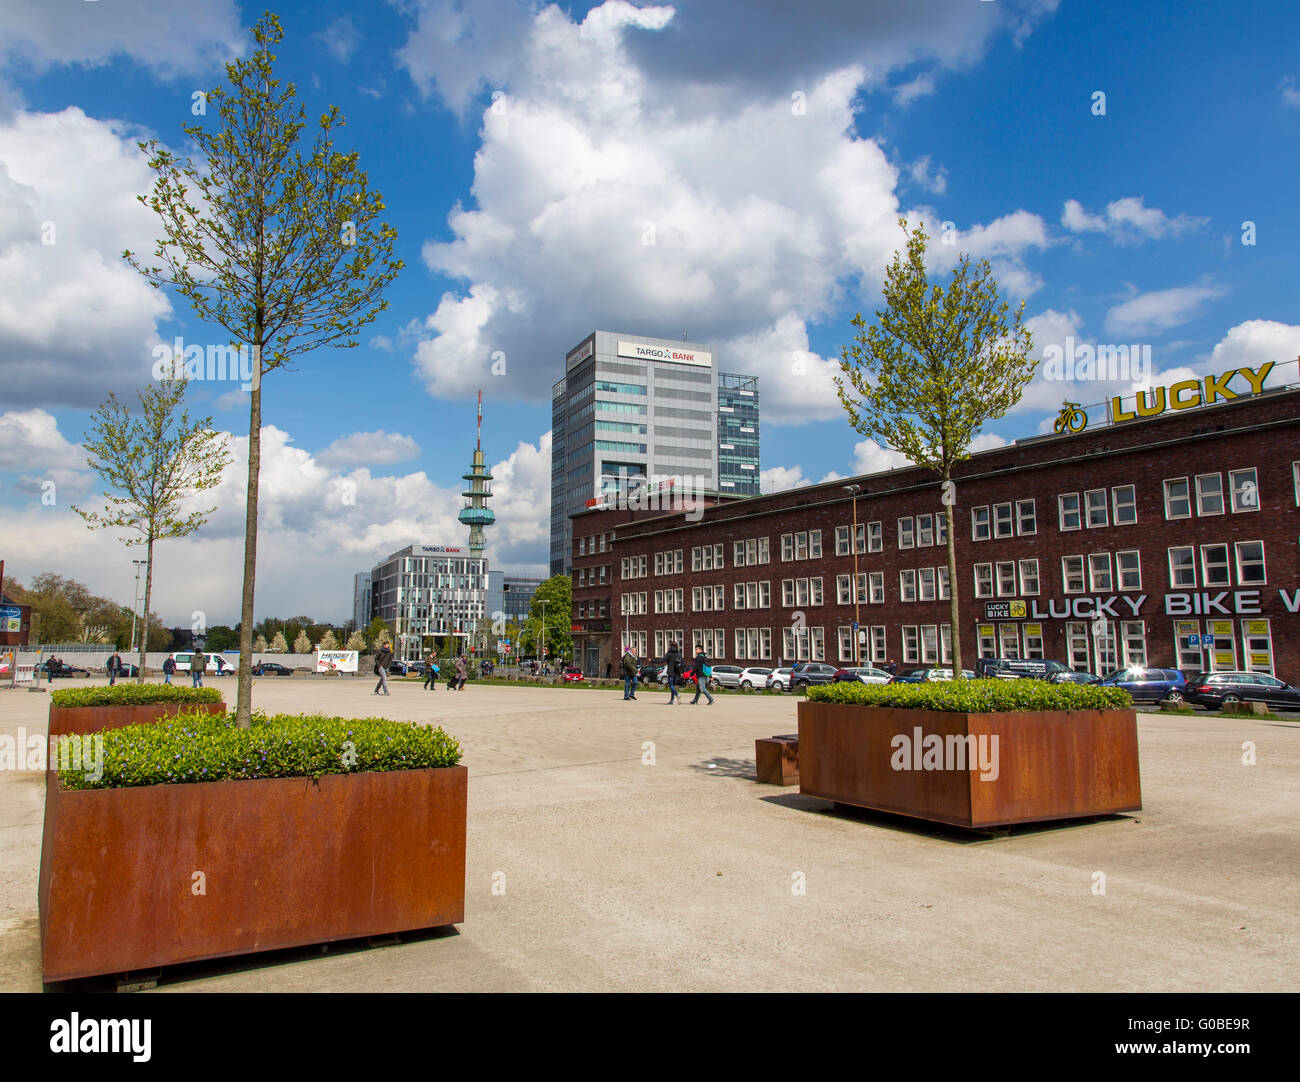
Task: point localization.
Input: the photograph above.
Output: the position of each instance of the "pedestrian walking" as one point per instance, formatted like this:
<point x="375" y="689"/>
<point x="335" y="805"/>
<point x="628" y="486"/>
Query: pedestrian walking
<point x="891" y="667"/>
<point x="114" y="667"/>
<point x="382" y="661"/>
<point x="628" y="666"/>
<point x="462" y="672"/>
<point x="431" y="672"/>
<point x="702" y="671"/>
<point x="169" y="667"/>
<point x="198" y="664"/>
<point x="673" y="670"/>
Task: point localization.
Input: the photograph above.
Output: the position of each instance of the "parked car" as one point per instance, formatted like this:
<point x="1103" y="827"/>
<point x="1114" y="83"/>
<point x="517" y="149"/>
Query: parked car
<point x="1019" y="668"/>
<point x="753" y="677"/>
<point x="1148" y="685"/>
<point x="573" y="675"/>
<point x="1217" y="688"/>
<point x="218" y="664"/>
<point x="928" y="676"/>
<point x="56" y="667"/>
<point x="725" y="676"/>
<point x="271" y="668"/>
<point x="779" y="679"/>
<point x="863" y="674"/>
<point x="807" y="673"/>
<point x="687" y="677"/>
<point x="1073" y="677"/>
<point x="648" y="674"/>
<point x="129" y="670"/>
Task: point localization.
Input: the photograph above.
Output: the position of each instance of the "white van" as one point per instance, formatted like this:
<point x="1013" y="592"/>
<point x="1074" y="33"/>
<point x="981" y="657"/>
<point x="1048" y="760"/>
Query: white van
<point x="228" y="666"/>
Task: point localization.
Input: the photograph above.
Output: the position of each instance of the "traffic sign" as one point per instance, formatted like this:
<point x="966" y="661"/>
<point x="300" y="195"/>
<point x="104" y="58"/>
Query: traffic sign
<point x="1193" y="640"/>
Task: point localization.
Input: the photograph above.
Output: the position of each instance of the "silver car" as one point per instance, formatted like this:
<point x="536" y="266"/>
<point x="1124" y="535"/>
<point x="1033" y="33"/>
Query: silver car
<point x="779" y="679"/>
<point x="754" y="677"/>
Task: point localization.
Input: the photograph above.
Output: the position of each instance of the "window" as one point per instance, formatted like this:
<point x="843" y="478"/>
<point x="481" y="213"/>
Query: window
<point x="911" y="645"/>
<point x="1124" y="504"/>
<point x="842" y="541"/>
<point x="1133" y="634"/>
<point x="1099" y="572"/>
<point x="1295" y="481"/>
<point x="941" y="529"/>
<point x="983" y="580"/>
<point x="1097" y="513"/>
<point x="1034" y="640"/>
<point x="877" y="641"/>
<point x="818" y="643"/>
<point x="1214" y="565"/>
<point x="1029" y="576"/>
<point x="1250" y="563"/>
<point x="1006" y="578"/>
<point x="924" y="531"/>
<point x="1076" y="638"/>
<point x="845" y="636"/>
<point x="906" y="539"/>
<point x="1009" y="638"/>
<point x="1209" y="494"/>
<point x="945" y="594"/>
<point x="843" y="589"/>
<point x="801" y="545"/>
<point x="1002" y="521"/>
<point x="875" y="536"/>
<point x="987" y="640"/>
<point x="582" y="546"/>
<point x="1182" y="567"/>
<point x="926" y="581"/>
<point x="814" y="544"/>
<point x="787" y="593"/>
<point x="1027" y="517"/>
<point x="979" y="523"/>
<point x="907" y="585"/>
<point x="1072" y="574"/>
<point x="929" y="644"/>
<point x="1245" y="490"/>
<point x="787" y="546"/>
<point x="1178" y="500"/>
<point x="1068" y="505"/>
<point x="1128" y="566"/>
<point x="876" y="592"/>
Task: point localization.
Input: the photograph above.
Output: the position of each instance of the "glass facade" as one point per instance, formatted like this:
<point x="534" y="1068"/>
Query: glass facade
<point x="429" y="590"/>
<point x="738" y="434"/>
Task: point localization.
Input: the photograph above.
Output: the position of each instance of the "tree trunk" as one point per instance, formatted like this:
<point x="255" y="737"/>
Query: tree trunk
<point x="952" y="590"/>
<point x="244" y="695"/>
<point x="144" y="619"/>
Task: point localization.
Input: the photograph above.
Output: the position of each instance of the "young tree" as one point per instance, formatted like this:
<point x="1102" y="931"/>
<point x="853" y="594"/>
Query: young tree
<point x="150" y="465"/>
<point x="377" y="632"/>
<point x="557" y="592"/>
<point x="259" y="645"/>
<point x="302" y="644"/>
<point x="281" y="249"/>
<point x="932" y="370"/>
<point x="356" y="641"/>
<point x="278" y="644"/>
<point x="327" y="641"/>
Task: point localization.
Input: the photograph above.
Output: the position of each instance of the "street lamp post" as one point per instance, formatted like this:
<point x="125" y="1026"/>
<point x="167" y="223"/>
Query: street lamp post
<point x="853" y="543"/>
<point x="135" y="604"/>
<point x="545" y="602"/>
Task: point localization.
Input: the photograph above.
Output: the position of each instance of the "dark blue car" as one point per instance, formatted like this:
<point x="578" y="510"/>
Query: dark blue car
<point x="1149" y="685"/>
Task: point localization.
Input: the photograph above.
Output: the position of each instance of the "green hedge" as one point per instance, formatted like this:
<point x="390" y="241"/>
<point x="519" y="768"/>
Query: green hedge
<point x="133" y="695"/>
<point x="211" y="747"/>
<point x="974" y="696"/>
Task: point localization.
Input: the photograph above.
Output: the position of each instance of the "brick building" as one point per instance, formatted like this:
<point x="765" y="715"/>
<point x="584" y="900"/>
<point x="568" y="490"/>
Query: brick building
<point x="1129" y="544"/>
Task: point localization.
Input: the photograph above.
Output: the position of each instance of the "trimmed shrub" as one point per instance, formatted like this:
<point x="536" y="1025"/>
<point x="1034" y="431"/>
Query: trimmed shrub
<point x="974" y="696"/>
<point x="133" y="695"/>
<point x="212" y="747"/>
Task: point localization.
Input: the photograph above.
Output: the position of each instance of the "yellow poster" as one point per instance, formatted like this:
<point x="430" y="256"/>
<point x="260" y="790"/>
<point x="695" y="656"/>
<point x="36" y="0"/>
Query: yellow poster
<point x="986" y="629"/>
<point x="1257" y="627"/>
<point x="1033" y="629"/>
<point x="1186" y="627"/>
<point x="1221" y="627"/>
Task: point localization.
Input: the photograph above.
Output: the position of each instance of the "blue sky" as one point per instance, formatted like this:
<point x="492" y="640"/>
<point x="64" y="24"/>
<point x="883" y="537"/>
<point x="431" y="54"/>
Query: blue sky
<point x="523" y="150"/>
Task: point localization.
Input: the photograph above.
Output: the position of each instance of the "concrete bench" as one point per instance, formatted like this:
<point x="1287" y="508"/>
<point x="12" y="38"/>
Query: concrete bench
<point x="777" y="760"/>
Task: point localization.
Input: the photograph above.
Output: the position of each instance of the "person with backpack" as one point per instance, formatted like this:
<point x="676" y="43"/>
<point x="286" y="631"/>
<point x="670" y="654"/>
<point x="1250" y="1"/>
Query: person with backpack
<point x="198" y="664"/>
<point x="169" y="667"/>
<point x="673" y="670"/>
<point x="702" y="672"/>
<point x="382" y="661"/>
<point x="431" y="671"/>
<point x="114" y="667"/>
<point x="628" y="666"/>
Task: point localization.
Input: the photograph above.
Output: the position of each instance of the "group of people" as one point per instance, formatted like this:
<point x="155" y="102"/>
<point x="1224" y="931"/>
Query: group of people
<point x="455" y="682"/>
<point x="675" y="666"/>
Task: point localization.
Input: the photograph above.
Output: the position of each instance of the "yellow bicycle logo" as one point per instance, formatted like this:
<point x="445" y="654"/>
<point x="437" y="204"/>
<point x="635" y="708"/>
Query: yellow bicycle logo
<point x="1072" y="418"/>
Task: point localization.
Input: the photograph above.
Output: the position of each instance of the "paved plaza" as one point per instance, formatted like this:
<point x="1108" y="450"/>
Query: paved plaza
<point x="612" y="874"/>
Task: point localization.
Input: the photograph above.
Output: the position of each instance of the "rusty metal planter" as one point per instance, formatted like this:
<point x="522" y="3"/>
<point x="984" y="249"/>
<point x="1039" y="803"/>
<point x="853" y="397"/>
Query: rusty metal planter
<point x="1050" y="765"/>
<point x="285" y="862"/>
<point x="66" y="720"/>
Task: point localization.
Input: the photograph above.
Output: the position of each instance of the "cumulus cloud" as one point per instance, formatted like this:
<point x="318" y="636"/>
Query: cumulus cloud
<point x="1290" y="92"/>
<point x="618" y="186"/>
<point x="782" y="478"/>
<point x="1127" y="220"/>
<point x="1159" y="310"/>
<point x="932" y="180"/>
<point x="369" y="448"/>
<point x="28" y="437"/>
<point x="74" y="318"/>
<point x="1254" y="343"/>
<point x="341" y="38"/>
<point x="920" y="87"/>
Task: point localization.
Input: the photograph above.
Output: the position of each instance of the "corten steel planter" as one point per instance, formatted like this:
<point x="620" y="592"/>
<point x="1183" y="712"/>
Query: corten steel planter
<point x="67" y="720"/>
<point x="285" y="862"/>
<point x="1050" y="765"/>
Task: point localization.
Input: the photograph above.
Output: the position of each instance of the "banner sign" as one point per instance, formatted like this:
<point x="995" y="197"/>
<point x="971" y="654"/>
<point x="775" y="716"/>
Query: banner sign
<point x="662" y="353"/>
<point x="337" y="660"/>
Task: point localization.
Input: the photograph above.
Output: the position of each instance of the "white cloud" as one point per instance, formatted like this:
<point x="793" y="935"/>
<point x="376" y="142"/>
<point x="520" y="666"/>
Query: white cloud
<point x="1290" y="92"/>
<point x="871" y="457"/>
<point x="1126" y="220"/>
<point x="369" y="448"/>
<point x="935" y="180"/>
<point x="169" y="37"/>
<point x="1253" y="343"/>
<point x="32" y="437"/>
<point x="920" y="87"/>
<point x="1159" y="310"/>
<point x="782" y="479"/>
<point x="341" y="38"/>
<point x="74" y="318"/>
<point x="617" y="187"/>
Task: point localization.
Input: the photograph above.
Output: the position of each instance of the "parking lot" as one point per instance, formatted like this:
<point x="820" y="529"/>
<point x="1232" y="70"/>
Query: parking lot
<point x="624" y="845"/>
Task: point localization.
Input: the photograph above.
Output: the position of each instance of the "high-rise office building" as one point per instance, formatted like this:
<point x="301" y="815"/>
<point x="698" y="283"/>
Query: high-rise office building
<point x="429" y="590"/>
<point x="632" y="411"/>
<point x="361" y="599"/>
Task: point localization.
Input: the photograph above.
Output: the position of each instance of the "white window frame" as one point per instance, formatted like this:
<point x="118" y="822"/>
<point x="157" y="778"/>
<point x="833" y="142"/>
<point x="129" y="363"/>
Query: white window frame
<point x="1061" y="511"/>
<point x="1091" y="504"/>
<point x="1033" y="576"/>
<point x="1004" y="516"/>
<point x="1227" y="566"/>
<point x="1200" y="495"/>
<point x="1174" y="584"/>
<point x="1082" y="577"/>
<point x="1115" y="504"/>
<point x="1233" y="488"/>
<point x="1186" y="498"/>
<point x="1093" y="573"/>
<point x="1000" y="578"/>
<point x="907" y="538"/>
<point x="875" y="536"/>
<point x="1121" y="571"/>
<point x="1022" y="516"/>
<point x="1241" y="578"/>
<point x="985" y="590"/>
<point x="907" y="585"/>
<point x="976" y="514"/>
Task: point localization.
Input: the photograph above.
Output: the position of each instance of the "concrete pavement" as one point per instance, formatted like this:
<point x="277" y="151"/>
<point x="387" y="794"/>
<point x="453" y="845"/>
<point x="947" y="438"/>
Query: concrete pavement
<point x="613" y="874"/>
